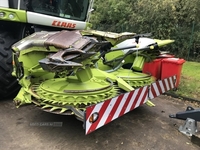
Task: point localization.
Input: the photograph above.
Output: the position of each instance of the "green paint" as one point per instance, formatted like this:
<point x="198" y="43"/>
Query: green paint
<point x="138" y="63"/>
<point x="73" y="86"/>
<point x="19" y="15"/>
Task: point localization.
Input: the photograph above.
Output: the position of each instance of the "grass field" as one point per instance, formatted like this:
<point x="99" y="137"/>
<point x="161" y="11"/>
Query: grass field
<point x="190" y="81"/>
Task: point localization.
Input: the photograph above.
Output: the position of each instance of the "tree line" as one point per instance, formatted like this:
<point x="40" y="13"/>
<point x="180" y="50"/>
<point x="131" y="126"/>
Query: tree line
<point x="165" y="19"/>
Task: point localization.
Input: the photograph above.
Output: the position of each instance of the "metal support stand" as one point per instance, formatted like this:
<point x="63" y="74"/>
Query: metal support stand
<point x="189" y="128"/>
<point x="191" y="116"/>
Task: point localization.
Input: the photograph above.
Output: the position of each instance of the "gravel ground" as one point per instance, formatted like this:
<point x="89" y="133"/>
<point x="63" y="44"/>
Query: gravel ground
<point x="146" y="128"/>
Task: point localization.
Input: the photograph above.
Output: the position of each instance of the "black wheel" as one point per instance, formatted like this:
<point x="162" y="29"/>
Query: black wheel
<point x="8" y="84"/>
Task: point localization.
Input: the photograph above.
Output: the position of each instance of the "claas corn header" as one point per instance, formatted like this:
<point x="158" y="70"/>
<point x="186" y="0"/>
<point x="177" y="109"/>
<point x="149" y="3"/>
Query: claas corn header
<point x="94" y="75"/>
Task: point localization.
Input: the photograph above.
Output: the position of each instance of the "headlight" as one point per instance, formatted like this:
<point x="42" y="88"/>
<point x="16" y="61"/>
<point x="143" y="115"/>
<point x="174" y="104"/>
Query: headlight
<point x="11" y="16"/>
<point x="2" y="14"/>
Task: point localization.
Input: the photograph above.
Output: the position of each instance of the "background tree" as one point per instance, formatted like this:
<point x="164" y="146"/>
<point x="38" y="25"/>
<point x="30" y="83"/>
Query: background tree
<point x="174" y="19"/>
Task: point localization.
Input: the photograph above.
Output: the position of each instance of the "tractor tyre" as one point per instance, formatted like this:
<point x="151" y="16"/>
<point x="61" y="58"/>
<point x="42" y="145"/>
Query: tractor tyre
<point x="9" y="86"/>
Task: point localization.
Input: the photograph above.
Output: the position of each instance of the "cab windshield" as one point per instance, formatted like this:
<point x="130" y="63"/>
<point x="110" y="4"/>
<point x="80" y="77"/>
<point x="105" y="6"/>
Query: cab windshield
<point x="70" y="9"/>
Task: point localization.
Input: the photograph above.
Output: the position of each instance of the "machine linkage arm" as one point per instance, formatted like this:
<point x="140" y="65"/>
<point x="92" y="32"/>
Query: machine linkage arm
<point x="189" y="113"/>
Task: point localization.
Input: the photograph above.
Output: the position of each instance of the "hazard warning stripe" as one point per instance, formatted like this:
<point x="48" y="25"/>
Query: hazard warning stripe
<point x="113" y="108"/>
<point x="162" y="86"/>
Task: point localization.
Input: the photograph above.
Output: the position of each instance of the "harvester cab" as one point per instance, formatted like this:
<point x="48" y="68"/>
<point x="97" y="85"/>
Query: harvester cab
<point x="70" y="14"/>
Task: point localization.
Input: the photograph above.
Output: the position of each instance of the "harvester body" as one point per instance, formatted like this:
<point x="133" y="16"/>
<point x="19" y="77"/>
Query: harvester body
<point x="63" y="67"/>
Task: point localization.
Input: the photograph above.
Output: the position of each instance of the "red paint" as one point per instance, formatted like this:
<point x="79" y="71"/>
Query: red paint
<point x="63" y="24"/>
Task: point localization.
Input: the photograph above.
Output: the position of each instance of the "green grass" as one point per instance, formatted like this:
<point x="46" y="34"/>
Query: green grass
<point x="190" y="81"/>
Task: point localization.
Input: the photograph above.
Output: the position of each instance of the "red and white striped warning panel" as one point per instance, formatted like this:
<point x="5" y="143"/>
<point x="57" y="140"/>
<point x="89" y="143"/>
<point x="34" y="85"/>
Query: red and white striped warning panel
<point x="102" y="113"/>
<point x="162" y="86"/>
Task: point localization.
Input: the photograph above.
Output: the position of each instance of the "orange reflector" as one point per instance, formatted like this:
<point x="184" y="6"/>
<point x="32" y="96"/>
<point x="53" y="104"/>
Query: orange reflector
<point x="93" y="117"/>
